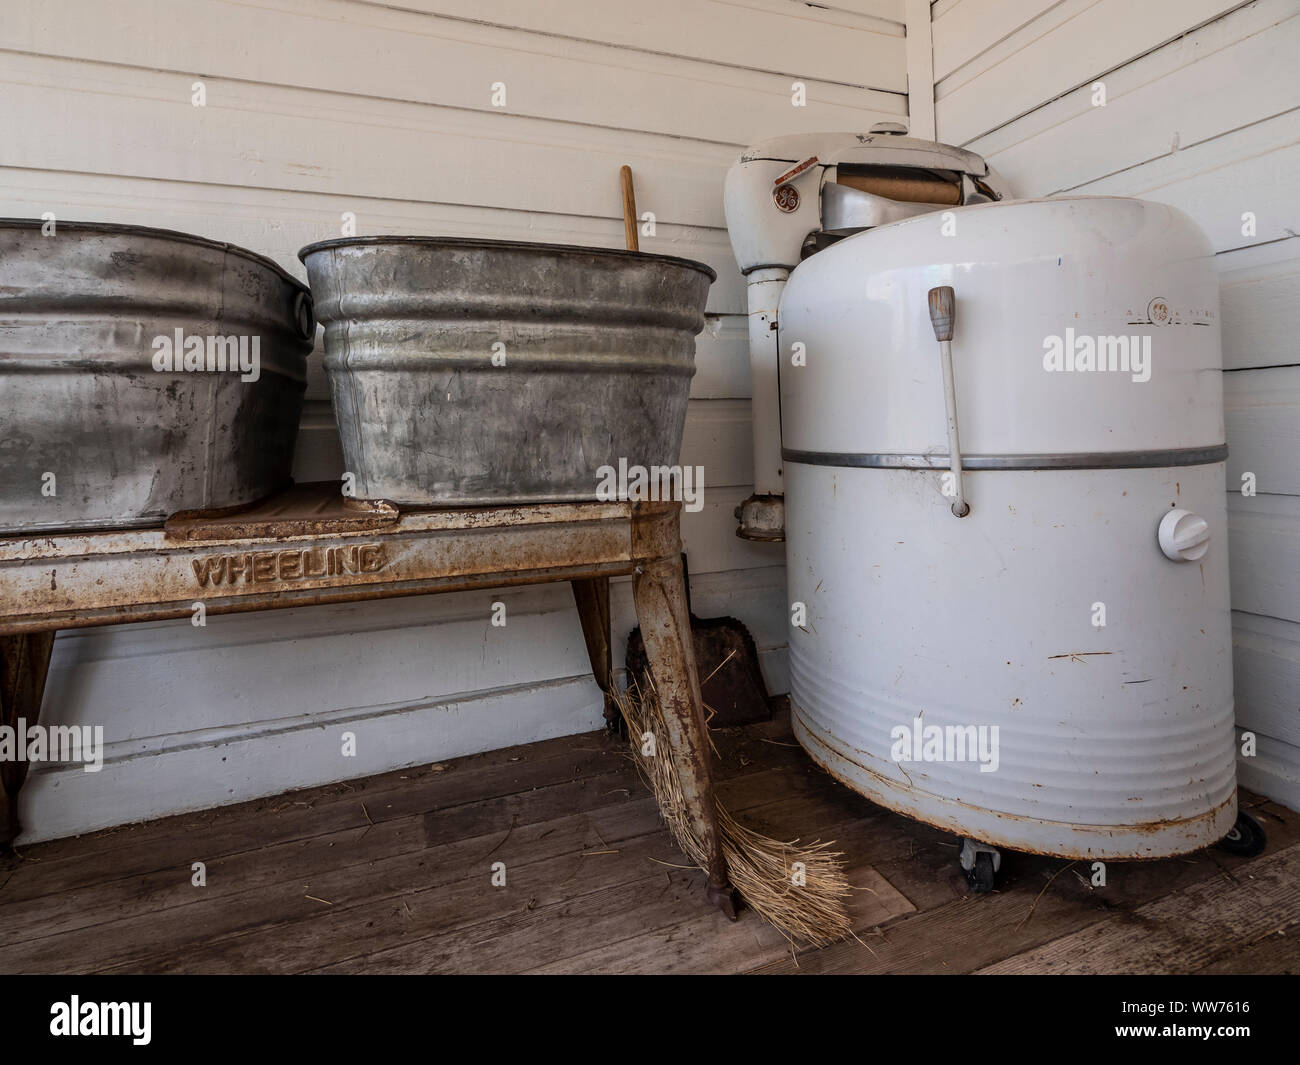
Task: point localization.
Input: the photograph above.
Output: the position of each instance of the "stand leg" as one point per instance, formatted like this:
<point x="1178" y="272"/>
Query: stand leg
<point x="660" y="593"/>
<point x="24" y="664"/>
<point x="592" y="596"/>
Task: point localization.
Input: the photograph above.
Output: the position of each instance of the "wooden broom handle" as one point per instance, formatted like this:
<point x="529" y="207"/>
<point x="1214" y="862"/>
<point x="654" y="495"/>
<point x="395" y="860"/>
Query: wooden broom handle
<point x="629" y="211"/>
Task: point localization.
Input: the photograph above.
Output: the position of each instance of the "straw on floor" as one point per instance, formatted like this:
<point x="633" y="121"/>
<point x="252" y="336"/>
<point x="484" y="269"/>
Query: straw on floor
<point x="799" y="888"/>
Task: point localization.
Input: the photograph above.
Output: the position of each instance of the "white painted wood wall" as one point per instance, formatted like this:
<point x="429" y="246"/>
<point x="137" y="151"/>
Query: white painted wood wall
<point x="1202" y="112"/>
<point x="317" y="107"/>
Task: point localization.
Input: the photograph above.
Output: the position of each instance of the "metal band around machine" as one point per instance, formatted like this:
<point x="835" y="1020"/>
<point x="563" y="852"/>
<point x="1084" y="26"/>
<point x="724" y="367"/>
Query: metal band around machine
<point x="1093" y="460"/>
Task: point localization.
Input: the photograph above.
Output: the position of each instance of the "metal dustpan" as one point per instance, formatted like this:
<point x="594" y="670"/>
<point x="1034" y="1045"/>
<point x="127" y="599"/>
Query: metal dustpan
<point x="731" y="683"/>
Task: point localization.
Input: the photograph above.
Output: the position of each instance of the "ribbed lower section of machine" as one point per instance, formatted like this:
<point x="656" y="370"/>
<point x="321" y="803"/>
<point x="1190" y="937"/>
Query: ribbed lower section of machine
<point x="1018" y="829"/>
<point x="1037" y="675"/>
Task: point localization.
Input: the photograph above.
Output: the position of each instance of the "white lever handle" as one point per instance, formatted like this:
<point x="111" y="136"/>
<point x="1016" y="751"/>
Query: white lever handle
<point x="943" y="312"/>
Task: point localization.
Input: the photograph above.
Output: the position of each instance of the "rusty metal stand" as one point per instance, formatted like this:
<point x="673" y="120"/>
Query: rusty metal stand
<point x="24" y="665"/>
<point x="307" y="547"/>
<point x="659" y="588"/>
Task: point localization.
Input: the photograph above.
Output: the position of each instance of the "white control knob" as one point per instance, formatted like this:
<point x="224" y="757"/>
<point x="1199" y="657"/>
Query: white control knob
<point x="1184" y="536"/>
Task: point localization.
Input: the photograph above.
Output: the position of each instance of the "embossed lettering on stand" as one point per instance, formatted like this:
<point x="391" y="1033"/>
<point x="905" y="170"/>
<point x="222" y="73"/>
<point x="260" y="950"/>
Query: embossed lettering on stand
<point x="296" y="564"/>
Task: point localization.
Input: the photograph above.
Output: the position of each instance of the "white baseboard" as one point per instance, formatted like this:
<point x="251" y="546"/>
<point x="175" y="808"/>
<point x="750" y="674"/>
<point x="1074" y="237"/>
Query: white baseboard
<point x="1274" y="771"/>
<point x="160" y="775"/>
<point x="144" y="779"/>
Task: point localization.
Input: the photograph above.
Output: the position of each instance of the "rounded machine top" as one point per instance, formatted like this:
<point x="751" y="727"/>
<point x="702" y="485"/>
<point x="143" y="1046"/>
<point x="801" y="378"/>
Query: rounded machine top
<point x="1084" y="331"/>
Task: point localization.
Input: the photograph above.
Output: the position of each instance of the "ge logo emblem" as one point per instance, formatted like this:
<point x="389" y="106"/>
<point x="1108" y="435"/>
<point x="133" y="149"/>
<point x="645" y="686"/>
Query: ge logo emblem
<point x="786" y="198"/>
<point x="1158" y="311"/>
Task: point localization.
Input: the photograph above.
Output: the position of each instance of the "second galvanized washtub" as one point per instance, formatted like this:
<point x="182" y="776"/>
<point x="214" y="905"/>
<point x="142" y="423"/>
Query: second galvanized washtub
<point x="142" y="372"/>
<point x="468" y="372"/>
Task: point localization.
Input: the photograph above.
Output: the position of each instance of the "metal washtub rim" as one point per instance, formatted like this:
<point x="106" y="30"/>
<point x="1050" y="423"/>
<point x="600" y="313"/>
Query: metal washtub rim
<point x="503" y="245"/>
<point x="87" y="312"/>
<point x="421" y="363"/>
<point x="127" y="230"/>
<point x="77" y="365"/>
<point x="1091" y="460"/>
<point x="478" y="317"/>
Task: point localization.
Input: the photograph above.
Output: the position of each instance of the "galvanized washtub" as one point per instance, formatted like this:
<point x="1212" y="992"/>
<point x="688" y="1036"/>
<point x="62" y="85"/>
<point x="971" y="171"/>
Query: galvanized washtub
<point x="112" y="413"/>
<point x="468" y="372"/>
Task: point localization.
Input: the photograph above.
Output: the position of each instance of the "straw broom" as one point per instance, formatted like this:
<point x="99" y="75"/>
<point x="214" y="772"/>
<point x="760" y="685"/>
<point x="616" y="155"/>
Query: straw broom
<point x="762" y="869"/>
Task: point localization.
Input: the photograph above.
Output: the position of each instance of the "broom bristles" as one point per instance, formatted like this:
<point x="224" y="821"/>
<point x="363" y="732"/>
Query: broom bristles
<point x="762" y="869"/>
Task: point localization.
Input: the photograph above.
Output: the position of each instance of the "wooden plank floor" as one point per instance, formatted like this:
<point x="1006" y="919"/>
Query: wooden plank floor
<point x="392" y="874"/>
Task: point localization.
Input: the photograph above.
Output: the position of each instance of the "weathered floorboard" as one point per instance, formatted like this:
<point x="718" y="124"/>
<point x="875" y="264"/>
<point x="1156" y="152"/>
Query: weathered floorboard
<point x="391" y="874"/>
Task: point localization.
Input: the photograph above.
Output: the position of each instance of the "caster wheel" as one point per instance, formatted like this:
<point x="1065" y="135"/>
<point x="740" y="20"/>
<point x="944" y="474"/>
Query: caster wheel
<point x="1245" y="838"/>
<point x="980" y="875"/>
<point x="980" y="864"/>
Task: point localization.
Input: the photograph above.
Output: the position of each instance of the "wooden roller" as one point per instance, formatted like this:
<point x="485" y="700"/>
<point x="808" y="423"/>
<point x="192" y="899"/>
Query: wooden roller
<point x="908" y="186"/>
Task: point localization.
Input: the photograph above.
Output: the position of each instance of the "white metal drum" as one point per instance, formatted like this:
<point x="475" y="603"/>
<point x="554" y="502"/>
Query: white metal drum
<point x="1052" y="672"/>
